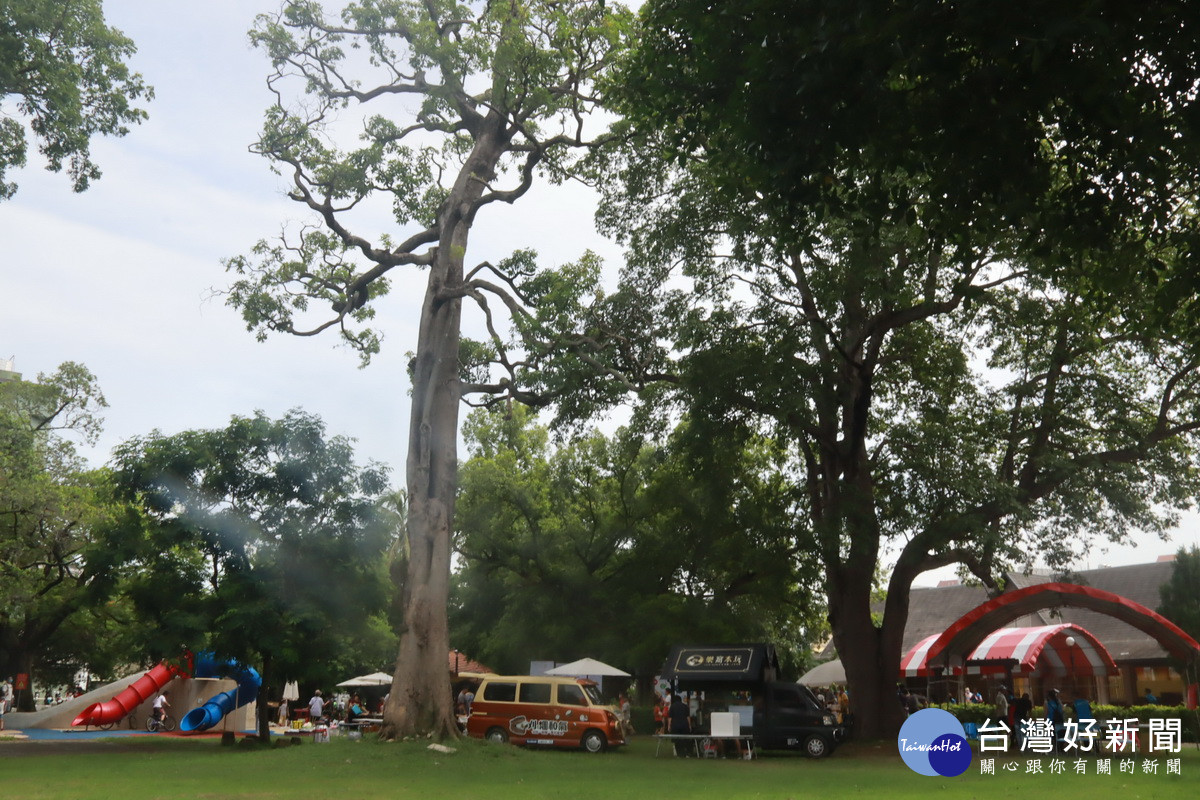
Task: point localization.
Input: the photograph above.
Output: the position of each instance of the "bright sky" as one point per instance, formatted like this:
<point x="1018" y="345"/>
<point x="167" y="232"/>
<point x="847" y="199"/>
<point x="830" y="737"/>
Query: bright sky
<point x="119" y="277"/>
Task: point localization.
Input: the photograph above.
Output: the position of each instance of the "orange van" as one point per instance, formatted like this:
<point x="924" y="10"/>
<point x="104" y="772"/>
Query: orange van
<point x="544" y="710"/>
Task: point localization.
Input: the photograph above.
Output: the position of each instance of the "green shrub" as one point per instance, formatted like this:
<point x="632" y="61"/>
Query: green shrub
<point x="642" y="718"/>
<point x="978" y="713"/>
<point x="969" y="712"/>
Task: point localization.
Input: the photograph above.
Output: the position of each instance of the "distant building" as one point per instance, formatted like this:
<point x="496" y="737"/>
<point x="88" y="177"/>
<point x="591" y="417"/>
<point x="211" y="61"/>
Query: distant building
<point x="8" y="370"/>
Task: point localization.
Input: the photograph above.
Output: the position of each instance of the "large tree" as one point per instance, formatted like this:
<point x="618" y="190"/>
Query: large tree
<point x="266" y="544"/>
<point x="893" y="237"/>
<point x="651" y="543"/>
<point x="1071" y="129"/>
<point x="495" y="95"/>
<point x="65" y="71"/>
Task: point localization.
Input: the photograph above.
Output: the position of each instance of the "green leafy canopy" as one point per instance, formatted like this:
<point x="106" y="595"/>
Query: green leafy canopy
<point x="65" y="71"/>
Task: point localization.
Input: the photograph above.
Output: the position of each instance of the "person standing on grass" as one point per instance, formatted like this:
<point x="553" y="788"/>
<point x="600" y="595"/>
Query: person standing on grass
<point x="316" y="707"/>
<point x="1083" y="709"/>
<point x="1022" y="712"/>
<point x="660" y="715"/>
<point x="466" y="697"/>
<point x="680" y="721"/>
<point x="1002" y="704"/>
<point x="1054" y="713"/>
<point x="625" y="714"/>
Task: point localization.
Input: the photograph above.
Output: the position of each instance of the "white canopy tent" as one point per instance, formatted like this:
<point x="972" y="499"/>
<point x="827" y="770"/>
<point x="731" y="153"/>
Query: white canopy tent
<point x="826" y="674"/>
<point x="374" y="679"/>
<point x="589" y="668"/>
<point x="586" y="668"/>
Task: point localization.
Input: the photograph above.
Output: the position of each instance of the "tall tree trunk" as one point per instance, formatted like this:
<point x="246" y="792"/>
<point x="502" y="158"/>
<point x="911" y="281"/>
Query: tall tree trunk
<point x="24" y="701"/>
<point x="421" y="702"/>
<point x="264" y="710"/>
<point x="871" y="660"/>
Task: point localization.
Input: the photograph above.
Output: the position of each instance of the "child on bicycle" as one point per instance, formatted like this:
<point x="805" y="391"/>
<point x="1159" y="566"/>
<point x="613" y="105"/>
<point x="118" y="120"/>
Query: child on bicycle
<point x="160" y="707"/>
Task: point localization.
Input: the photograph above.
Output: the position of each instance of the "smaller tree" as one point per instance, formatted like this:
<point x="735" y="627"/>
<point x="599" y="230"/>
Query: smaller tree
<point x="55" y="552"/>
<point x="1180" y="601"/>
<point x="658" y="541"/>
<point x="65" y="69"/>
<point x="268" y="544"/>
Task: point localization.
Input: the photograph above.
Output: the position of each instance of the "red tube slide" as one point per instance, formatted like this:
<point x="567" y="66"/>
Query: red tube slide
<point x="130" y="698"/>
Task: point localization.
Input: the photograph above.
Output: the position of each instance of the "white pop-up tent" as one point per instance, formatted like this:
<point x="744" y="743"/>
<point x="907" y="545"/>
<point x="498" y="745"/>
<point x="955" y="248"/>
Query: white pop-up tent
<point x="587" y="667"/>
<point x="825" y="674"/>
<point x="374" y="679"/>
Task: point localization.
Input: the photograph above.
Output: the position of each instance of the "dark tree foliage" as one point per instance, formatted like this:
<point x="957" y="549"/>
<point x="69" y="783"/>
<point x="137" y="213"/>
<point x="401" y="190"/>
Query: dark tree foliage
<point x="1070" y="128"/>
<point x="1180" y="598"/>
<point x="620" y="547"/>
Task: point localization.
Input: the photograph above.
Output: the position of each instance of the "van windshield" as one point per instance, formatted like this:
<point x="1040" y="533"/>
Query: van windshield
<point x="574" y="694"/>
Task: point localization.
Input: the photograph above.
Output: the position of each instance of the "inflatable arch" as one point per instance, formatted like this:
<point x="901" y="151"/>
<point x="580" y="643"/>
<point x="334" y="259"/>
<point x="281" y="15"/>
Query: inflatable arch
<point x="953" y="646"/>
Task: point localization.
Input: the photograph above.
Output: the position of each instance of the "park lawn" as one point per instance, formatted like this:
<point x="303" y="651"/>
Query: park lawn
<point x="181" y="768"/>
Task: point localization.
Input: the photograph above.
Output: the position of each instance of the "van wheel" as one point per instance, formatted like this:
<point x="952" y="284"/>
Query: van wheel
<point x="593" y="741"/>
<point x="497" y="735"/>
<point x="816" y="747"/>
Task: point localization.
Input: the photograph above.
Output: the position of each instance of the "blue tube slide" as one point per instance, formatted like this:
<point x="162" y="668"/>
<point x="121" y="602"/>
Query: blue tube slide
<point x="209" y="714"/>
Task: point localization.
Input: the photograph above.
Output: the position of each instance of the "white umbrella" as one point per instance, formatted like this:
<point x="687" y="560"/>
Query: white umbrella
<point x="587" y="666"/>
<point x="291" y="691"/>
<point x="825" y="674"/>
<point x="374" y="679"/>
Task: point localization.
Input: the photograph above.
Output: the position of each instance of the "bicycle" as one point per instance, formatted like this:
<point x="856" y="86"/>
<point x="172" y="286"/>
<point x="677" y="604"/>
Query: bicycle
<point x="129" y="720"/>
<point x="167" y="723"/>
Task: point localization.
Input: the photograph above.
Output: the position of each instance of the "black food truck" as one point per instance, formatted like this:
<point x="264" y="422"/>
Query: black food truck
<point x="743" y="678"/>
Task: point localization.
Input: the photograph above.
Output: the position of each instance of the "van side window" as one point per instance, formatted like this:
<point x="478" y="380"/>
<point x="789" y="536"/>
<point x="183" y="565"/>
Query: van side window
<point x="502" y="692"/>
<point x="535" y="693"/>
<point x="570" y="694"/>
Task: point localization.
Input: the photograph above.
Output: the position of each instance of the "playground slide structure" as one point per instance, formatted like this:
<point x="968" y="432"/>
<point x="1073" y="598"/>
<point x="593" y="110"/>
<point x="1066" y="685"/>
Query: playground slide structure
<point x="209" y="714"/>
<point x="131" y="697"/>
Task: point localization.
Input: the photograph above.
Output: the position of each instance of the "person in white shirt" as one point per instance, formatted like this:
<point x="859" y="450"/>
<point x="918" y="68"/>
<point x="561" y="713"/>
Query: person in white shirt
<point x="160" y="706"/>
<point x="316" y="706"/>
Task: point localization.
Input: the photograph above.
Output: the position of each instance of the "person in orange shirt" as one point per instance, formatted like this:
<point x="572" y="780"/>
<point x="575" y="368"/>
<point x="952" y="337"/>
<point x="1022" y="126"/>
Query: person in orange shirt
<point x="660" y="715"/>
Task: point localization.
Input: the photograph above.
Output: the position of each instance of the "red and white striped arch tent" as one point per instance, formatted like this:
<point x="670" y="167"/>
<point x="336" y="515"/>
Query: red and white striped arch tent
<point x="1040" y="650"/>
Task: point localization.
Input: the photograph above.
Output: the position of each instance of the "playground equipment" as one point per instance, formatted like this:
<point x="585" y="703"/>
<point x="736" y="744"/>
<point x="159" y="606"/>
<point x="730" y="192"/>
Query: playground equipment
<point x="209" y="714"/>
<point x="131" y="697"/>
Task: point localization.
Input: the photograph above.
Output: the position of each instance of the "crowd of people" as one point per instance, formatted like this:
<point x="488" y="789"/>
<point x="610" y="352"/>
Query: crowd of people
<point x="836" y="700"/>
<point x="1016" y="712"/>
<point x="345" y="708"/>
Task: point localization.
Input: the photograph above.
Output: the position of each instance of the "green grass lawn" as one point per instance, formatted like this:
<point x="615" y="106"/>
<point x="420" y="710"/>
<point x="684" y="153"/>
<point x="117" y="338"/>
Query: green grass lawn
<point x="179" y="768"/>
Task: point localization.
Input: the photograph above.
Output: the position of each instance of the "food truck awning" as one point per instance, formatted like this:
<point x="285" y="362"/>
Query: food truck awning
<point x="703" y="663"/>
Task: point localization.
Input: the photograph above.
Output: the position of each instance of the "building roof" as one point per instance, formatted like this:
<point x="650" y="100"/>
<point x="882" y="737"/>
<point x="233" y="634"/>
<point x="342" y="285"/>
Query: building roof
<point x="459" y="663"/>
<point x="1137" y="582"/>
